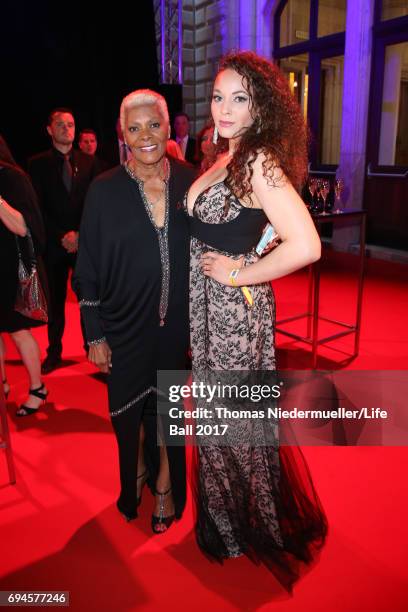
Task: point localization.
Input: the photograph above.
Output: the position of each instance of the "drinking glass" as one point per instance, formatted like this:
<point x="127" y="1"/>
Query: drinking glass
<point x="316" y="196"/>
<point x="338" y="188"/>
<point x="311" y="185"/>
<point x="324" y="190"/>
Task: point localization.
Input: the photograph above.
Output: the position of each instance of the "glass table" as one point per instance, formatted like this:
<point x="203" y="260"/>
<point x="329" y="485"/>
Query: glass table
<point x="346" y="217"/>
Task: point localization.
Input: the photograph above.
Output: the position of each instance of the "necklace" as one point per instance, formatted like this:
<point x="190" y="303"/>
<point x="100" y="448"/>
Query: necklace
<point x="134" y="176"/>
<point x="162" y="236"/>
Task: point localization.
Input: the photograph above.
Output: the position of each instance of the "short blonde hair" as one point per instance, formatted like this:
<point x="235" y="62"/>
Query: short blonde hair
<point x="139" y="97"/>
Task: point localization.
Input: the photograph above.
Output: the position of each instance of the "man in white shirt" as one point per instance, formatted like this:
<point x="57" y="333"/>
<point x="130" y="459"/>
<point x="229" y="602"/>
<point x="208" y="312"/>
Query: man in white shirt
<point x="186" y="144"/>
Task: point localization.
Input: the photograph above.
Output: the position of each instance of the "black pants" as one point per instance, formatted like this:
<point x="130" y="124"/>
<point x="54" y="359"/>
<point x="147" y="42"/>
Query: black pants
<point x="58" y="263"/>
<point x="127" y="427"/>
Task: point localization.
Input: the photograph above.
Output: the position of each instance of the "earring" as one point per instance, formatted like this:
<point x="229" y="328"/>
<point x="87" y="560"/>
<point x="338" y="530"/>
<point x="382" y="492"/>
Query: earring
<point x="215" y="136"/>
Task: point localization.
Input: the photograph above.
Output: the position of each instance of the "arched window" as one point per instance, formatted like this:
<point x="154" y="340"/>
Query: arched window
<point x="309" y="44"/>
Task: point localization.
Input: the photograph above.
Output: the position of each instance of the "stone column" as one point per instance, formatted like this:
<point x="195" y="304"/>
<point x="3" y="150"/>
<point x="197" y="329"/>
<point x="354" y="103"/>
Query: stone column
<point x="256" y="25"/>
<point x="357" y="67"/>
<point x="205" y="38"/>
<point x="265" y="14"/>
<point x="247" y="24"/>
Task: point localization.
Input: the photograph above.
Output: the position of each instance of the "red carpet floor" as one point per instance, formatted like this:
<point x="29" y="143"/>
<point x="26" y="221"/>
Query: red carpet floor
<point x="60" y="529"/>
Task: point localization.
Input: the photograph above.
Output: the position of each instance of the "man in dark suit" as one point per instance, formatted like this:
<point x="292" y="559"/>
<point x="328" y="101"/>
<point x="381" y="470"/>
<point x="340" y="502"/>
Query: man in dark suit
<point x="61" y="177"/>
<point x="186" y="144"/>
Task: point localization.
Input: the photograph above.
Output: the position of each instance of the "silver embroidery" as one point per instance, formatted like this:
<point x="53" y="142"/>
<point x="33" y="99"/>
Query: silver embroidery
<point x="162" y="235"/>
<point x="89" y="303"/>
<point x="131" y="403"/>
<point x="98" y="341"/>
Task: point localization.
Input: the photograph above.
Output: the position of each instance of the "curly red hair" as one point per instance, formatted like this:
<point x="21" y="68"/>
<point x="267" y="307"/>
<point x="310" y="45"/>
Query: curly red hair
<point x="278" y="130"/>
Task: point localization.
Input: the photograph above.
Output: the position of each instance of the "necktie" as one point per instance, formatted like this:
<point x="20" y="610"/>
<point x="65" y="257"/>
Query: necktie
<point x="124" y="153"/>
<point x="67" y="173"/>
<point x="181" y="144"/>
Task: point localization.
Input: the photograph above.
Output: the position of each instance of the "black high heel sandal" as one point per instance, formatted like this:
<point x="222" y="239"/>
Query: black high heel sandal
<point x="6" y="393"/>
<point x="161" y="519"/>
<point x="26" y="410"/>
<point x="144" y="476"/>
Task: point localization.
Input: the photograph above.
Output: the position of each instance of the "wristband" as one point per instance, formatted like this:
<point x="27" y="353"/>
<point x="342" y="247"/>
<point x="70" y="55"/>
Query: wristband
<point x="247" y="294"/>
<point x="233" y="277"/>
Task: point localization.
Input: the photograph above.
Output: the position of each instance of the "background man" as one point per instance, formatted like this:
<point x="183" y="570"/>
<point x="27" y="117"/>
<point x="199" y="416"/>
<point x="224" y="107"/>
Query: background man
<point x="187" y="144"/>
<point x="61" y="177"/>
<point x="88" y="143"/>
<point x="125" y="153"/>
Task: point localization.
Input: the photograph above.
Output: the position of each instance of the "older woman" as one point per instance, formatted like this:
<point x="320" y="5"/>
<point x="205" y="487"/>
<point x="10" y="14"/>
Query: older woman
<point x="132" y="274"/>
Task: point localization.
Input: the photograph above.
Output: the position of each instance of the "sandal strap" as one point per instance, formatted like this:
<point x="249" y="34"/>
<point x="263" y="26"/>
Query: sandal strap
<point x="38" y="393"/>
<point x="161" y="501"/>
<point x="25" y="410"/>
<point x="156" y="492"/>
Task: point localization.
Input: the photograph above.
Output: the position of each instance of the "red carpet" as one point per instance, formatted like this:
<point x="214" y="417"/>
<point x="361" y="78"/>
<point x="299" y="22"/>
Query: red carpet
<point x="61" y="531"/>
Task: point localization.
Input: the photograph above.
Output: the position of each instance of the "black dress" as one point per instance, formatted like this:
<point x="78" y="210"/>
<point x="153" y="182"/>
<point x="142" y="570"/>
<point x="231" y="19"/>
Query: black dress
<point x="16" y="189"/>
<point x="133" y="280"/>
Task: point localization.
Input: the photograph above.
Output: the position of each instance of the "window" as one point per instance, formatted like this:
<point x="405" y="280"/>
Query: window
<point x="393" y="146"/>
<point x="332" y="17"/>
<point x="331" y="92"/>
<point x="294" y="22"/>
<point x="297" y="70"/>
<point x="385" y="190"/>
<point x="391" y="9"/>
<point x="309" y="46"/>
<point x="387" y="135"/>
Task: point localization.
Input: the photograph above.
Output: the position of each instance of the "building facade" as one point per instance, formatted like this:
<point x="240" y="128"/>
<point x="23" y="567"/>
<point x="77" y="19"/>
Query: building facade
<point x="347" y="63"/>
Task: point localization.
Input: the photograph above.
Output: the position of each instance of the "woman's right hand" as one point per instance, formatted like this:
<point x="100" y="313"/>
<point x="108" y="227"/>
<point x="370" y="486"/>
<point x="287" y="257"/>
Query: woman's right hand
<point x="101" y="355"/>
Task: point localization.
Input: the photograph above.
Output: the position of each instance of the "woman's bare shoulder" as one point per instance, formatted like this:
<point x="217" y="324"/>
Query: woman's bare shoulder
<point x="267" y="169"/>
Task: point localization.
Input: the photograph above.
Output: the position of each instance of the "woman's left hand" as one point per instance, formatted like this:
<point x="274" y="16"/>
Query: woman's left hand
<point x="219" y="266"/>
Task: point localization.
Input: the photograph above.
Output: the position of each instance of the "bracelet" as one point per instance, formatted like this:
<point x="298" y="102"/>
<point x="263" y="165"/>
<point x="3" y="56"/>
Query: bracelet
<point x="83" y="303"/>
<point x="98" y="341"/>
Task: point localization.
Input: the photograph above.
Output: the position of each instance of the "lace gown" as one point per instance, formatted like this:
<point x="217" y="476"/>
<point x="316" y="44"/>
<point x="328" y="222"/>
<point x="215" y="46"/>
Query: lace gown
<point x="252" y="496"/>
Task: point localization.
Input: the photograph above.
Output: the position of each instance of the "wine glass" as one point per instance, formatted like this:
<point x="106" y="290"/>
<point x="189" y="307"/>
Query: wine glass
<point x="325" y="190"/>
<point x="312" y="185"/>
<point x="316" y="196"/>
<point x="338" y="188"/>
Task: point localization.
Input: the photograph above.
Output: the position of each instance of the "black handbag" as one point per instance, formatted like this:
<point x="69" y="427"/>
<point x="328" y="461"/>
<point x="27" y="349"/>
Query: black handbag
<point x="30" y="299"/>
